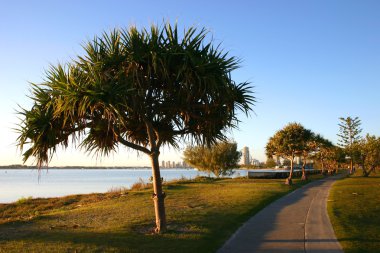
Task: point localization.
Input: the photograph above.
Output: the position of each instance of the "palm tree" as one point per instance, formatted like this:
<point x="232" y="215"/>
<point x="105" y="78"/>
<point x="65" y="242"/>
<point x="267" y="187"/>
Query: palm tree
<point x="142" y="89"/>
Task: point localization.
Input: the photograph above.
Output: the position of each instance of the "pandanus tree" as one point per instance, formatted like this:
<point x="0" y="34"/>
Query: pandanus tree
<point x="141" y="89"/>
<point x="288" y="143"/>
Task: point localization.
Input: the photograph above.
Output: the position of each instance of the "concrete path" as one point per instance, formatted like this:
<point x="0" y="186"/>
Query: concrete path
<point x="297" y="222"/>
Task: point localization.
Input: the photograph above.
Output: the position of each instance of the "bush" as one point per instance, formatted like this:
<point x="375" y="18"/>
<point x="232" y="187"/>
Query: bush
<point x="220" y="159"/>
<point x="23" y="200"/>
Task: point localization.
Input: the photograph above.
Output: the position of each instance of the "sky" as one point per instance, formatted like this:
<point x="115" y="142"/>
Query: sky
<point x="308" y="61"/>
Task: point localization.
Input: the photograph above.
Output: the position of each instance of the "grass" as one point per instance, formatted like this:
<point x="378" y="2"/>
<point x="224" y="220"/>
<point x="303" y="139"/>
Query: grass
<point x="201" y="215"/>
<point x="354" y="209"/>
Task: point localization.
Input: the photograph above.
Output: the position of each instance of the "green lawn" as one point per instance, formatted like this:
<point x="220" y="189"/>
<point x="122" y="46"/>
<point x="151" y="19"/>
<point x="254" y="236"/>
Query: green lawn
<point x="354" y="209"/>
<point x="201" y="215"/>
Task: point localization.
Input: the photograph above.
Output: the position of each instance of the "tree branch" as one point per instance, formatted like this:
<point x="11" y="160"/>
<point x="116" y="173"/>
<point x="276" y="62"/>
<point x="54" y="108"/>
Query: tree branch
<point x="151" y="135"/>
<point x="134" y="146"/>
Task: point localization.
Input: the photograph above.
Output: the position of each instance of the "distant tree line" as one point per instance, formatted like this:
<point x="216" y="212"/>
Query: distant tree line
<point x="15" y="166"/>
<point x="294" y="140"/>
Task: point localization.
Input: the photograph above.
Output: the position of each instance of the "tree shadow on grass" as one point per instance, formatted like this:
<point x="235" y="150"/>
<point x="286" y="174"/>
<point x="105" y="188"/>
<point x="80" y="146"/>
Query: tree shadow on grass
<point x="181" y="236"/>
<point x="115" y="240"/>
<point x="359" y="240"/>
<point x="176" y="186"/>
<point x="205" y="232"/>
<point x="199" y="235"/>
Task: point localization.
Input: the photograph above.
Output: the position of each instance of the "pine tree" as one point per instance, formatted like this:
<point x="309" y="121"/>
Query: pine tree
<point x="349" y="134"/>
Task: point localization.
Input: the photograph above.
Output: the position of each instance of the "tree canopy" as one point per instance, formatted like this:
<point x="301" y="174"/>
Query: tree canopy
<point x="220" y="158"/>
<point x="367" y="153"/>
<point x="127" y="79"/>
<point x="322" y="150"/>
<point x="140" y="89"/>
<point x="270" y="163"/>
<point x="289" y="142"/>
<point x="334" y="156"/>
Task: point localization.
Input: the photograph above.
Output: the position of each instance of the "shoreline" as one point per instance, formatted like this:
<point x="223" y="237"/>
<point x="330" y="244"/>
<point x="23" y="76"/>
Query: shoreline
<point x="88" y="167"/>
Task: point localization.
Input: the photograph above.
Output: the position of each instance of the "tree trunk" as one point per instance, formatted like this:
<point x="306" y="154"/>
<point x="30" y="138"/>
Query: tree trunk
<point x="304" y="176"/>
<point x="158" y="195"/>
<point x="365" y="171"/>
<point x="351" y="165"/>
<point x="288" y="181"/>
<point x="337" y="168"/>
<point x="323" y="168"/>
<point x="371" y="170"/>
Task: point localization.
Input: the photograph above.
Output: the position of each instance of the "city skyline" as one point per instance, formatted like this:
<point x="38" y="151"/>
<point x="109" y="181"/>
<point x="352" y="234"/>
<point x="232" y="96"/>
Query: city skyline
<point x="309" y="62"/>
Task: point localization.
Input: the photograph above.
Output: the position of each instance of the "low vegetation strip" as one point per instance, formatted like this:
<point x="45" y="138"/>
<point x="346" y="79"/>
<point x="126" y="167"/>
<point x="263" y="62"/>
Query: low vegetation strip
<point x="202" y="214"/>
<point x="354" y="208"/>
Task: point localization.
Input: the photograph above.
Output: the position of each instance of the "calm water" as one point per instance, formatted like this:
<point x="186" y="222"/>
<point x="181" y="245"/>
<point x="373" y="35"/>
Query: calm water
<point x="15" y="184"/>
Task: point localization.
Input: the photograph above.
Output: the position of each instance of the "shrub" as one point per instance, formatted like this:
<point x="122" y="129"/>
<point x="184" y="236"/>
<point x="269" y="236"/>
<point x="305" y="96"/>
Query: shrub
<point x="23" y="200"/>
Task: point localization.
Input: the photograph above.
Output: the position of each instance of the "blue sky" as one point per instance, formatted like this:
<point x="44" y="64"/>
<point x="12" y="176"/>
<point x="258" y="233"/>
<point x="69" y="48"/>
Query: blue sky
<point x="309" y="61"/>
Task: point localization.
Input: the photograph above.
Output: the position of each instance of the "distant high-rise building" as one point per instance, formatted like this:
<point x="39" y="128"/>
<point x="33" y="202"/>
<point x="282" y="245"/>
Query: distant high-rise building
<point x="245" y="156"/>
<point x="163" y="164"/>
<point x="167" y="164"/>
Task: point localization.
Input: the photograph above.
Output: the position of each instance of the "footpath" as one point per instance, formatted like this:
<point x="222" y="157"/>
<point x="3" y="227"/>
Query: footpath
<point x="297" y="222"/>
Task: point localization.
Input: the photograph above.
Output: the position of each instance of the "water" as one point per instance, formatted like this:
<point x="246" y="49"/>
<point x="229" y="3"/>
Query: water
<point x="16" y="184"/>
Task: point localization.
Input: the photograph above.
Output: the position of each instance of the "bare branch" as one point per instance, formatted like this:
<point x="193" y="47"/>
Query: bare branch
<point x="134" y="146"/>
